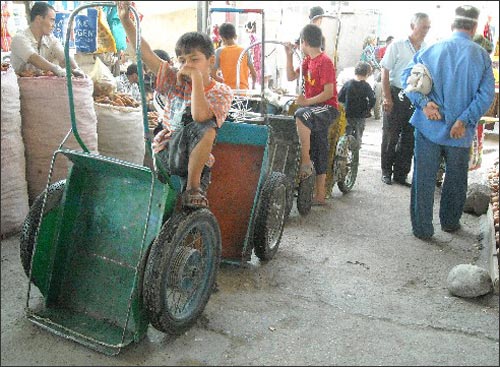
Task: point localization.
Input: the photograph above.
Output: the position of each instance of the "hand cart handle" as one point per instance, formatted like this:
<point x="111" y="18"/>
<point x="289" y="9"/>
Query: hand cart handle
<point x="139" y="71"/>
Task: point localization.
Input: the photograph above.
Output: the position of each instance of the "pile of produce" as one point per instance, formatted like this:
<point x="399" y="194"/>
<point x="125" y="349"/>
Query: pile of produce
<point x="493" y="183"/>
<point x="35" y="73"/>
<point x="116" y="99"/>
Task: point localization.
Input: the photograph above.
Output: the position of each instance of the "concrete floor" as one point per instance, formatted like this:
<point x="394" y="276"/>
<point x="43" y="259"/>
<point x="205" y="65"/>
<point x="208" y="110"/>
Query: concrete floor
<point x="349" y="285"/>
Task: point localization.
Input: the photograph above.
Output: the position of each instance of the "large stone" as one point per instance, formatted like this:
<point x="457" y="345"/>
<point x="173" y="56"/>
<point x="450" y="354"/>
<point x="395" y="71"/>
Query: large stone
<point x="478" y="199"/>
<point x="469" y="281"/>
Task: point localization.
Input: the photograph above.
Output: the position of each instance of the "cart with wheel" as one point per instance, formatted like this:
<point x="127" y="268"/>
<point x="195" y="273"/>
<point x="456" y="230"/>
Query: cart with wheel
<point x="108" y="249"/>
<point x="250" y="107"/>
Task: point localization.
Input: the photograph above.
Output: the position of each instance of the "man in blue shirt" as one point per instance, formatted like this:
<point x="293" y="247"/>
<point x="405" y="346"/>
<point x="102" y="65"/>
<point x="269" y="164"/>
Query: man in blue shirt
<point x="445" y="121"/>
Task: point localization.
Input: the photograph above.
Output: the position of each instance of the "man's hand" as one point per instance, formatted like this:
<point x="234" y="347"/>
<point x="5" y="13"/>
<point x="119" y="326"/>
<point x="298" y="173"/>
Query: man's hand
<point x="431" y="111"/>
<point x="458" y="130"/>
<point x="59" y="71"/>
<point x="78" y="73"/>
<point x="387" y="105"/>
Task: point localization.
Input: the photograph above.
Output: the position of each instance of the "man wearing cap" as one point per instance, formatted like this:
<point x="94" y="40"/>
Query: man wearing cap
<point x="445" y="121"/>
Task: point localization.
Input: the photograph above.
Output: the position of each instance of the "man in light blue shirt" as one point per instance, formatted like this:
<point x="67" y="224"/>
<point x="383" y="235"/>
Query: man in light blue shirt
<point x="396" y="150"/>
<point x="445" y="121"/>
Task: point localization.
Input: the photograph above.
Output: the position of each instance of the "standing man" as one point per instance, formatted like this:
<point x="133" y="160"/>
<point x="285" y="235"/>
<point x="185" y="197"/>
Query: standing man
<point x="37" y="48"/>
<point x="397" y="133"/>
<point x="445" y="121"/>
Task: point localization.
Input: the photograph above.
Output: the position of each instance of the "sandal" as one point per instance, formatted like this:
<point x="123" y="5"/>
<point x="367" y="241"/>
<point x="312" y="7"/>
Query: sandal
<point x="194" y="199"/>
<point x="306" y="171"/>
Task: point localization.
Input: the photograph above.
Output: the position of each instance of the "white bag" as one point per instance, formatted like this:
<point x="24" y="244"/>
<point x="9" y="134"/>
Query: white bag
<point x="419" y="80"/>
<point x="120" y="132"/>
<point x="14" y="187"/>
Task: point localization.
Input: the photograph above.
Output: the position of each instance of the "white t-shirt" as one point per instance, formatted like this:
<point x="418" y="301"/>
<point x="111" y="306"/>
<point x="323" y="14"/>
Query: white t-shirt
<point x="24" y="45"/>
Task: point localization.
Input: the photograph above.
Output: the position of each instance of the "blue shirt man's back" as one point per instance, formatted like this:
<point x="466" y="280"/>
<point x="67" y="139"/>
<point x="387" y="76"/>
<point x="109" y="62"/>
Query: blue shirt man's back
<point x="463" y="87"/>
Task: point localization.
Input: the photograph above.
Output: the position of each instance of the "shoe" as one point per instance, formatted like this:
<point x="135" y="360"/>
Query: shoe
<point x="402" y="181"/>
<point x="451" y="229"/>
<point x="387" y="180"/>
<point x="423" y="238"/>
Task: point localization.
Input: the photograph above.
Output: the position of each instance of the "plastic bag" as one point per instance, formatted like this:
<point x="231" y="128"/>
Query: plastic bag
<point x="105" y="39"/>
<point x="104" y="81"/>
<point x="116" y="27"/>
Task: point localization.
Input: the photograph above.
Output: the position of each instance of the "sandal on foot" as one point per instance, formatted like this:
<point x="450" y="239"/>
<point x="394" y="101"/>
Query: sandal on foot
<point x="194" y="199"/>
<point x="306" y="171"/>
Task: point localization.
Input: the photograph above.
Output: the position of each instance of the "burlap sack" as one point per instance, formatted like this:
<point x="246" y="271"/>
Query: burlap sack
<point x="46" y="121"/>
<point x="14" y="187"/>
<point x="120" y="132"/>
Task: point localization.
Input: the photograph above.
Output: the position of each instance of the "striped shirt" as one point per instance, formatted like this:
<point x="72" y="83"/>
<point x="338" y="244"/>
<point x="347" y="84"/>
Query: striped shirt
<point x="178" y="97"/>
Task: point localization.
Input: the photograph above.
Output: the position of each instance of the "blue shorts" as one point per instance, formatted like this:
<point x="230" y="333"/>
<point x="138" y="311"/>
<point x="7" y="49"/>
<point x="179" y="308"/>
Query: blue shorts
<point x="175" y="157"/>
<point x="318" y="119"/>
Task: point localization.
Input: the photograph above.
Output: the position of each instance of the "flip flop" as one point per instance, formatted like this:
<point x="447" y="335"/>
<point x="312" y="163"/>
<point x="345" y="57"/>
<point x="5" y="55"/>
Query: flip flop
<point x="194" y="199"/>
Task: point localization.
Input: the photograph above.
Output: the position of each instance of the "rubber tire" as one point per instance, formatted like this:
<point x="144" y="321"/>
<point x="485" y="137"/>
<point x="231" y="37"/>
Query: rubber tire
<point x="305" y="194"/>
<point x="30" y="224"/>
<point x="347" y="183"/>
<point x="271" y="216"/>
<point x="160" y="272"/>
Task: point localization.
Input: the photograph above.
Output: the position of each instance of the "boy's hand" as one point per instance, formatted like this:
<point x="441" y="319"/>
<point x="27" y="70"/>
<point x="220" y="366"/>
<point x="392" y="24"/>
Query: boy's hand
<point x="187" y="71"/>
<point x="160" y="140"/>
<point x="123" y="9"/>
<point x="289" y="47"/>
<point x="301" y="100"/>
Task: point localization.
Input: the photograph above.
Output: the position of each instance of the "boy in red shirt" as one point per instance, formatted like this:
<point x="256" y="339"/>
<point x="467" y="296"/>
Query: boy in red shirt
<point x="318" y="107"/>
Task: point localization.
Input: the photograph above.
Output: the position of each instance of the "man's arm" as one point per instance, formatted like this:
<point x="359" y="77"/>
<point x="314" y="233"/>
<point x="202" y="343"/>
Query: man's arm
<point x="151" y="60"/>
<point x="386" y="91"/>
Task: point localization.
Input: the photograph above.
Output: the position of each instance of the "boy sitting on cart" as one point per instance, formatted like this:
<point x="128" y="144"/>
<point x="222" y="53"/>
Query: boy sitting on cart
<point x="318" y="107"/>
<point x="195" y="107"/>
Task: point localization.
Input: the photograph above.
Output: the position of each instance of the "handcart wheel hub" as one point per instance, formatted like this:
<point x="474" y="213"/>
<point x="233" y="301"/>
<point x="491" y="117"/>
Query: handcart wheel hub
<point x="185" y="269"/>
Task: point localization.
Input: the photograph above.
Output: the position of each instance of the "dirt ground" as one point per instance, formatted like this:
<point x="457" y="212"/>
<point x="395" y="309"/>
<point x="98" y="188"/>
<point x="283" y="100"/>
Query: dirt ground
<point x="349" y="285"/>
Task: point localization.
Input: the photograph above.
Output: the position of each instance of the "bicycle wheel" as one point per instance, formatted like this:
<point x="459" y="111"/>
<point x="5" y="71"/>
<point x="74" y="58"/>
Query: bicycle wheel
<point x="350" y="162"/>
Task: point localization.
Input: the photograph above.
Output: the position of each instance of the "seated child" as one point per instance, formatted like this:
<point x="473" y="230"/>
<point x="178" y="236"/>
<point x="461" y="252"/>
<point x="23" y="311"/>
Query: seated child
<point x="318" y="107"/>
<point x="195" y="107"/>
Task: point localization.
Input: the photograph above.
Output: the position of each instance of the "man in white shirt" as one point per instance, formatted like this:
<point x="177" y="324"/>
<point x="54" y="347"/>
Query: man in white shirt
<point x="36" y="48"/>
<point x="128" y="83"/>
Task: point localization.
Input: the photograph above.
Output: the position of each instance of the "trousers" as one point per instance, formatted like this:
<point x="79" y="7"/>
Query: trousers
<point x="454" y="189"/>
<point x="397" y="138"/>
